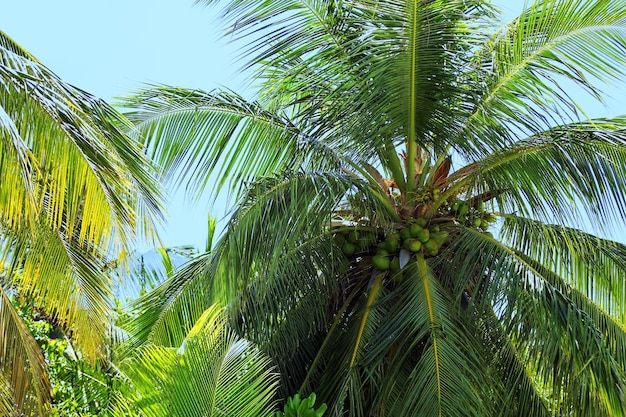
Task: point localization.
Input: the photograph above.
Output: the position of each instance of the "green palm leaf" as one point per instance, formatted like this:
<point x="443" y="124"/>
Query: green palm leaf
<point x="563" y="346"/>
<point x="238" y="139"/>
<point x="212" y="373"/>
<point x="551" y="43"/>
<point x="76" y="189"/>
<point x="565" y="174"/>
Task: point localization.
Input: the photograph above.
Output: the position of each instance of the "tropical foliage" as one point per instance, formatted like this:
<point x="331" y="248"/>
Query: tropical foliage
<point x="79" y="387"/>
<point x="213" y="372"/>
<point x="411" y="187"/>
<point x="75" y="190"/>
<point x="297" y="407"/>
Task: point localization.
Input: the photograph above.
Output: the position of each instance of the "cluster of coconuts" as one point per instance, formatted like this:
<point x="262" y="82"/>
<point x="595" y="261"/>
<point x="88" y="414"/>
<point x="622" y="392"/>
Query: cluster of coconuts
<point x="472" y="216"/>
<point x="393" y="250"/>
<point x="352" y="240"/>
<point x="415" y="236"/>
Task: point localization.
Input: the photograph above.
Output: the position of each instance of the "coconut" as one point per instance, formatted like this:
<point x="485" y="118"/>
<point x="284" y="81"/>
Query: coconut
<point x="431" y="247"/>
<point x="415" y="229"/>
<point x="349" y="248"/>
<point x="381" y="262"/>
<point x="339" y="239"/>
<point x="392" y="243"/>
<point x="423" y="235"/>
<point x="412" y="245"/>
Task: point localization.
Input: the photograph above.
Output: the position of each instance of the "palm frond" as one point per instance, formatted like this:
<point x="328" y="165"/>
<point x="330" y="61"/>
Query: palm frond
<point x="433" y="360"/>
<point x="200" y="138"/>
<point x="565" y="174"/>
<point x="345" y="389"/>
<point x="165" y="315"/>
<point x="547" y="323"/>
<point x="553" y="43"/>
<point x="512" y="386"/>
<point x="587" y="264"/>
<point x="74" y="188"/>
<point x="7" y="406"/>
<point x="65" y="280"/>
<point x="23" y="373"/>
<point x="212" y="372"/>
<point x="88" y="166"/>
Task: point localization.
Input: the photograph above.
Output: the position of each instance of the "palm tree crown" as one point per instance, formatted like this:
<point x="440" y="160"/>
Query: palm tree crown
<point x="411" y="187"/>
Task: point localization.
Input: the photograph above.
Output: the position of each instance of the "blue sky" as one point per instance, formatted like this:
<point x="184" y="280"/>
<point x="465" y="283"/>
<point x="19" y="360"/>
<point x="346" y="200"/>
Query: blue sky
<point x="110" y="48"/>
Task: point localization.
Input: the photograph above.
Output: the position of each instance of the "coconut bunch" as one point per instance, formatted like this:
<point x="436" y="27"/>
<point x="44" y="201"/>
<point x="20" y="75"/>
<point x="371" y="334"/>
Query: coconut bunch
<point x="426" y="222"/>
<point x="391" y="250"/>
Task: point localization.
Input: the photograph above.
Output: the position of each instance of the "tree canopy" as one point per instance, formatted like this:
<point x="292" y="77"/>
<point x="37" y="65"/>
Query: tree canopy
<point x="413" y="188"/>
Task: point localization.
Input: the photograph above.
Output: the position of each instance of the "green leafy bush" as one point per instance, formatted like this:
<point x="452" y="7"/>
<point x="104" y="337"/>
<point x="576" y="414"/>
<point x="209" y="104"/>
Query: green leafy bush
<point x="296" y="407"/>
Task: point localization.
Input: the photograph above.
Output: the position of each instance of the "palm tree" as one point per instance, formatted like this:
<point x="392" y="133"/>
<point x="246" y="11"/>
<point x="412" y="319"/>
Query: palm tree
<point x="75" y="190"/>
<point x="412" y="193"/>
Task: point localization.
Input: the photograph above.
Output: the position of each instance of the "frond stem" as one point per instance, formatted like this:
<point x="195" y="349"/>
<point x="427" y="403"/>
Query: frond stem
<point x="333" y="327"/>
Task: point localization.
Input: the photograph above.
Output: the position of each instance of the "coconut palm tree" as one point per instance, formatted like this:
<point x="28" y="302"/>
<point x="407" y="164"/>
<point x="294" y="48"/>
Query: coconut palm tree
<point x="75" y="190"/>
<point x="417" y="203"/>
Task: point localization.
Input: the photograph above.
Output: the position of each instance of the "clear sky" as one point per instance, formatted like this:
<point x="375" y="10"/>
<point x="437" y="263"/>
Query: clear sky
<point x="110" y="48"/>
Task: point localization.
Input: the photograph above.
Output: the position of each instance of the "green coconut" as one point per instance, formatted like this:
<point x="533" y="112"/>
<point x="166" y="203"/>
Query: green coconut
<point x="382" y="252"/>
<point x="392" y="243"/>
<point x="339" y="239"/>
<point x="353" y="236"/>
<point x="349" y="248"/>
<point x="412" y="245"/>
<point x="381" y="262"/>
<point x="423" y="235"/>
<point x="431" y="247"/>
<point x="415" y="229"/>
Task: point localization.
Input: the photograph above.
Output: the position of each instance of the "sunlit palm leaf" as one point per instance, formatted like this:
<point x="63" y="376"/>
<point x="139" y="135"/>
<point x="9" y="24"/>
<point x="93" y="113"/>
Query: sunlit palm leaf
<point x="75" y="188"/>
<point x="212" y="373"/>
<point x="165" y="315"/>
<point x="201" y="138"/>
<point x="7" y="407"/>
<point x="565" y="174"/>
